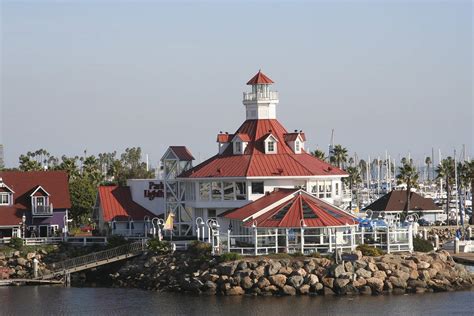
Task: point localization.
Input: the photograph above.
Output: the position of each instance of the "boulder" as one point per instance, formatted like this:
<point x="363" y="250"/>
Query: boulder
<point x="270" y="288"/>
<point x="236" y="290"/>
<point x="375" y="284"/>
<point x="398" y="282"/>
<point x="246" y="283"/>
<point x="296" y="281"/>
<point x="30" y="255"/>
<point x="285" y="271"/>
<point x="304" y="289"/>
<point x="340" y="283"/>
<point x="289" y="290"/>
<point x="336" y="270"/>
<point x="380" y="275"/>
<point x="21" y="261"/>
<point x="328" y="291"/>
<point x="328" y="282"/>
<point x="348" y="266"/>
<point x="371" y="267"/>
<point x="382" y="266"/>
<point x="312" y="279"/>
<point x="317" y="287"/>
<point x="273" y="267"/>
<point x="363" y="273"/>
<point x="365" y="290"/>
<point x="227" y="268"/>
<point x="278" y="280"/>
<point x="258" y="272"/>
<point x="242" y="265"/>
<point x="360" y="264"/>
<point x="423" y="265"/>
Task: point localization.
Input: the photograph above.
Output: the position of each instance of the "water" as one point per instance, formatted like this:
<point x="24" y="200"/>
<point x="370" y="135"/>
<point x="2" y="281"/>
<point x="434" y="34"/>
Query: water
<point x="46" y="300"/>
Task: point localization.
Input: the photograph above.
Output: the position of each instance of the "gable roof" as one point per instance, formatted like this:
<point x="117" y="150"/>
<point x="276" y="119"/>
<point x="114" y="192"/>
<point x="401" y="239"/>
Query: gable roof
<point x="291" y="137"/>
<point x="254" y="162"/>
<point x="24" y="183"/>
<point x="182" y="153"/>
<point x="260" y="78"/>
<point x="289" y="208"/>
<point x="224" y="137"/>
<point x="395" y="201"/>
<point x="117" y="204"/>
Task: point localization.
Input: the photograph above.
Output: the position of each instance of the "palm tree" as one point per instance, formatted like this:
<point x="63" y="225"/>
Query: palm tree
<point x="354" y="180"/>
<point x="407" y="174"/>
<point x="466" y="175"/>
<point x="445" y="171"/>
<point x="340" y="156"/>
<point x="319" y="154"/>
<point x="428" y="163"/>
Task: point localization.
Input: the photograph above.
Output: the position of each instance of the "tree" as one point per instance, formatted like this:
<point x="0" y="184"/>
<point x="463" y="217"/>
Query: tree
<point x="28" y="164"/>
<point x="466" y="175"/>
<point x="83" y="194"/>
<point x="319" y="154"/>
<point x="428" y="163"/>
<point x="353" y="180"/>
<point x="339" y="157"/>
<point x="407" y="174"/>
<point x="445" y="171"/>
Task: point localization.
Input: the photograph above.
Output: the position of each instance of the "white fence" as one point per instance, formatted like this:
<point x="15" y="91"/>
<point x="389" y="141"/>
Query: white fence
<point x="307" y="241"/>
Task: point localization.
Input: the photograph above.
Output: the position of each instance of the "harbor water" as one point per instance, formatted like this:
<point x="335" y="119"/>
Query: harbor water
<point x="53" y="300"/>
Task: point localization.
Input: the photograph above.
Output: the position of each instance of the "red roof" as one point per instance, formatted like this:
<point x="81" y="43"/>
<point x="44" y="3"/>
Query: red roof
<point x="291" y="207"/>
<point x="182" y="153"/>
<point x="25" y="183"/>
<point x="224" y="138"/>
<point x="116" y="203"/>
<point x="260" y="78"/>
<point x="254" y="161"/>
<point x="291" y="137"/>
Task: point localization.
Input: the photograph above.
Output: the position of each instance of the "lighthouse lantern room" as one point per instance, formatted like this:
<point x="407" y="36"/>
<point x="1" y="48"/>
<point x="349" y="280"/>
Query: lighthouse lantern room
<point x="261" y="102"/>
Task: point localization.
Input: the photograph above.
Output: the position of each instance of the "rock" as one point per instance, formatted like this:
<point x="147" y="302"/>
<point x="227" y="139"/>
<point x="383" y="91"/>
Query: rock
<point x="263" y="283"/>
<point x="365" y="290"/>
<point x="236" y="290"/>
<point x="312" y="279"/>
<point x="296" y="281"/>
<point x="359" y="282"/>
<point x="414" y="275"/>
<point x="340" y="283"/>
<point x="358" y="253"/>
<point x="304" y="289"/>
<point x="43" y="252"/>
<point x="423" y="265"/>
<point x="402" y="275"/>
<point x="416" y="283"/>
<point x="328" y="282"/>
<point x="21" y="261"/>
<point x="242" y="265"/>
<point x="348" y="266"/>
<point x="380" y="275"/>
<point x="246" y="283"/>
<point x="398" y="282"/>
<point x="271" y="288"/>
<point x="371" y="267"/>
<point x="375" y="284"/>
<point x="410" y="264"/>
<point x="289" y="290"/>
<point x="328" y="291"/>
<point x="317" y="287"/>
<point x="30" y="255"/>
<point x="278" y="280"/>
<point x="210" y="285"/>
<point x="360" y="264"/>
<point x="337" y="270"/>
<point x="285" y="271"/>
<point x="382" y="266"/>
<point x="301" y="272"/>
<point x="363" y="273"/>
<point x="273" y="267"/>
<point x="258" y="272"/>
<point x="227" y="268"/>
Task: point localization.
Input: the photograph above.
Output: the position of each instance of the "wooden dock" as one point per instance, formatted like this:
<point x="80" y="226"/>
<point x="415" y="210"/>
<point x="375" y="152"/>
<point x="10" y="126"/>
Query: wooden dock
<point x="28" y="282"/>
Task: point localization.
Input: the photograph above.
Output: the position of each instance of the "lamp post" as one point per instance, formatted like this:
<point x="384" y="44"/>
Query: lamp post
<point x="200" y="228"/>
<point x="23" y="222"/>
<point x="146" y="221"/>
<point x="302" y="227"/>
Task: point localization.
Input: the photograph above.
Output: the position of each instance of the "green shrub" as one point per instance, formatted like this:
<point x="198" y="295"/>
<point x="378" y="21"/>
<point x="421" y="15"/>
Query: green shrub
<point x="200" y="250"/>
<point x="297" y="254"/>
<point x="115" y="241"/>
<point x="158" y="246"/>
<point x="229" y="256"/>
<point x="315" y="255"/>
<point x="422" y="245"/>
<point x="16" y="243"/>
<point x="368" y="250"/>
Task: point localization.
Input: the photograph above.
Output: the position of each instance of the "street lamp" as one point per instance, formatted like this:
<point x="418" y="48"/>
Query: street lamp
<point x="23" y="221"/>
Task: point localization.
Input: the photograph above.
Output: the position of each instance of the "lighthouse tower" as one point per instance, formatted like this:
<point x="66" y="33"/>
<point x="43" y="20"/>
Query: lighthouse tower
<point x="261" y="102"/>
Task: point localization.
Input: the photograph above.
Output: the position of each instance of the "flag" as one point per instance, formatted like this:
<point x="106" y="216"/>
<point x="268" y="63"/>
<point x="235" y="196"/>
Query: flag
<point x="169" y="222"/>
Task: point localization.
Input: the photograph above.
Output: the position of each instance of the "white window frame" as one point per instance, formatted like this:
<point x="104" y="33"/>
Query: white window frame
<point x="8" y="195"/>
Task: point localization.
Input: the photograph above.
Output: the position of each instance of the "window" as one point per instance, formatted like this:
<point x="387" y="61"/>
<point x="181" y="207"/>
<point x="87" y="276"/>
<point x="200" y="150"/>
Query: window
<point x="216" y="189"/>
<point x="324" y="189"/>
<point x="328" y="189"/>
<point x="271" y="146"/>
<point x="5" y="199"/>
<point x="229" y="191"/>
<point x="204" y="190"/>
<point x="241" y="190"/>
<point x="257" y="188"/>
<point x="321" y="190"/>
<point x="297" y="146"/>
<point x="40" y="201"/>
<point x="238" y="147"/>
<point x="211" y="214"/>
<point x="337" y="188"/>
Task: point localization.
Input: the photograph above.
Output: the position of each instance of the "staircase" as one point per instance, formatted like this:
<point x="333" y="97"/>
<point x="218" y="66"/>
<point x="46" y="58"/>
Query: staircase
<point x="92" y="260"/>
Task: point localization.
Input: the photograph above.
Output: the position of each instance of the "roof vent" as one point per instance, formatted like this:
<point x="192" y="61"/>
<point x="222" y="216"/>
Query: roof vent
<point x="296" y="131"/>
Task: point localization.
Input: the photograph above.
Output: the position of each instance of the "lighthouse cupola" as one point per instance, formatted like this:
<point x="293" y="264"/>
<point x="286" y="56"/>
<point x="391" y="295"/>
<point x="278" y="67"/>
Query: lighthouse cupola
<point x="261" y="102"/>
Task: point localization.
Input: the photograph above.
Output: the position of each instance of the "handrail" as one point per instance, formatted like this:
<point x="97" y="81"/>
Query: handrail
<point x="72" y="263"/>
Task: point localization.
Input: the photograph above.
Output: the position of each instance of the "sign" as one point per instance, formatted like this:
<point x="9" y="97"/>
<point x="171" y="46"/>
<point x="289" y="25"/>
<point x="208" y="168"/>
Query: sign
<point x="349" y="257"/>
<point x="155" y="190"/>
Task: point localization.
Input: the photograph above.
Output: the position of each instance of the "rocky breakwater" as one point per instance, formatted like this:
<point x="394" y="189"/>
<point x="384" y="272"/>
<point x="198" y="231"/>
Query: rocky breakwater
<point x="417" y="272"/>
<point x="18" y="265"/>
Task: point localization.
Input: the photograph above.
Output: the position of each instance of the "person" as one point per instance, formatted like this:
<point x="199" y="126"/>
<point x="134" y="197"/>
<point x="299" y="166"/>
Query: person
<point x="458" y="233"/>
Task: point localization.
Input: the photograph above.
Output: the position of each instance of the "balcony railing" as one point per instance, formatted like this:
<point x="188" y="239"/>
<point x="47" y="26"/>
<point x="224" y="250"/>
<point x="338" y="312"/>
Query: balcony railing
<point x="42" y="210"/>
<point x="260" y="96"/>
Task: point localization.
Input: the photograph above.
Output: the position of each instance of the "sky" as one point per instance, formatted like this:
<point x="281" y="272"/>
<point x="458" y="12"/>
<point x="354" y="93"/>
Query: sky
<point x="390" y="76"/>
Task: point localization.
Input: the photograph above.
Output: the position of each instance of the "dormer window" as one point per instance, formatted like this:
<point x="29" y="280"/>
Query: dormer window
<point x="40" y="205"/>
<point x="238" y="147"/>
<point x="240" y="142"/>
<point x="5" y="198"/>
<point x="297" y="146"/>
<point x="295" y="141"/>
<point x="270" y="144"/>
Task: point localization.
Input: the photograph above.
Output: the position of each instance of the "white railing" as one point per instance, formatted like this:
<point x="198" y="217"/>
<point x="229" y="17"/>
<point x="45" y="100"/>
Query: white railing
<point x="306" y="242"/>
<point x="86" y="240"/>
<point x="252" y="96"/>
<point x="42" y="210"/>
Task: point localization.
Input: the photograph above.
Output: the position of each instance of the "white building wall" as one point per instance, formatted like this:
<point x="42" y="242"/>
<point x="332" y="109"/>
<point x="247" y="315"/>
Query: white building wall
<point x="145" y="193"/>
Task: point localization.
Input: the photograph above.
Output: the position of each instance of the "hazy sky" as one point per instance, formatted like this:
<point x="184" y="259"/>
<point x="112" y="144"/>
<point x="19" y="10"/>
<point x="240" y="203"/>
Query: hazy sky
<point x="107" y="75"/>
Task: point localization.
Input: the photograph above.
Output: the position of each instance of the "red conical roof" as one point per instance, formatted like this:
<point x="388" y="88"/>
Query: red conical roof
<point x="260" y="78"/>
